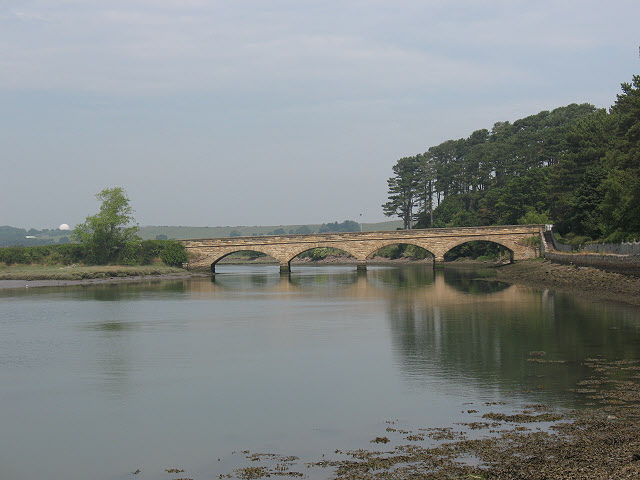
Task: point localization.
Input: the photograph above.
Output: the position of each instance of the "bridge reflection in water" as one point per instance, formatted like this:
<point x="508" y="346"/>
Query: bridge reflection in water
<point x="451" y="325"/>
<point x="411" y="282"/>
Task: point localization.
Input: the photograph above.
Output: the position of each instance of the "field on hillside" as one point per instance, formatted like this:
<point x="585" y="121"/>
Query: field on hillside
<point x="182" y="233"/>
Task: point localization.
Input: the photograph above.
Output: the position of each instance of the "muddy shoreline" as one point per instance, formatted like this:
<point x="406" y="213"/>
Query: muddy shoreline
<point x="10" y="284"/>
<point x="582" y="281"/>
<point x="601" y="442"/>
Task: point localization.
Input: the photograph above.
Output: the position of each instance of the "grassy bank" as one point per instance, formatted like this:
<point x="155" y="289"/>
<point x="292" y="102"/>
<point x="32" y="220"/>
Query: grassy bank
<point x="79" y="272"/>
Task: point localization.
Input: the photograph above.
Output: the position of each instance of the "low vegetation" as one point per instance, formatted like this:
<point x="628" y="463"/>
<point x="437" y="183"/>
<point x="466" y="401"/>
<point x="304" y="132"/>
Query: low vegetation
<point x="82" y="272"/>
<point x="143" y="252"/>
<point x="106" y="238"/>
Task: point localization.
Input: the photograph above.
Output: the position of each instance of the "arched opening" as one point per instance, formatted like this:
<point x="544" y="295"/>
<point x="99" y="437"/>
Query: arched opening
<point x="244" y="257"/>
<point x="400" y="253"/>
<point x="323" y="255"/>
<point x="480" y="251"/>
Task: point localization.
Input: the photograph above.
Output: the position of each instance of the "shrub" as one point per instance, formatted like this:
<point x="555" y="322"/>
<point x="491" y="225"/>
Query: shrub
<point x="173" y="253"/>
<point x="133" y="252"/>
<point x="12" y="255"/>
<point x="150" y="250"/>
<point x="65" y="254"/>
<point x="129" y="254"/>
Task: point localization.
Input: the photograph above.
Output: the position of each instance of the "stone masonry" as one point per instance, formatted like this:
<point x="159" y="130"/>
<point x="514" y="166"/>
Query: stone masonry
<point x="206" y="253"/>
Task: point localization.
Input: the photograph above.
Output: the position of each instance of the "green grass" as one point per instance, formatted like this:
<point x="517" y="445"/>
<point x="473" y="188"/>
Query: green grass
<point x="76" y="272"/>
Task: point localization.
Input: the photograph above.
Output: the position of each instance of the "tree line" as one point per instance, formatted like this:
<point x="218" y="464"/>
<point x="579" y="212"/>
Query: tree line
<point x="19" y="236"/>
<point x="576" y="166"/>
<point x="332" y="227"/>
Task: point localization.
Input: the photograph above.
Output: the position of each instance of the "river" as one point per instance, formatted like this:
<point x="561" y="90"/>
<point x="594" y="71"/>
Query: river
<point x="105" y="380"/>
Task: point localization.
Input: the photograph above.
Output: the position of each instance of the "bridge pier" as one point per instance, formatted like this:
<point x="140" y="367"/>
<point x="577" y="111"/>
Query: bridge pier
<point x="361" y="266"/>
<point x="285" y="268"/>
<point x="438" y="261"/>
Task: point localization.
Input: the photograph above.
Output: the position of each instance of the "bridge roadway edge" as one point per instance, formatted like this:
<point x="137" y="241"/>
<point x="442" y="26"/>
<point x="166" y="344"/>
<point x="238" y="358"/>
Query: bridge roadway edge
<point x="438" y="241"/>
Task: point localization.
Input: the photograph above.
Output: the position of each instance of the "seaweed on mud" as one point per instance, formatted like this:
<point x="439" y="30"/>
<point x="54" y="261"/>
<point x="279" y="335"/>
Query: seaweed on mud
<point x="523" y="417"/>
<point x="597" y="443"/>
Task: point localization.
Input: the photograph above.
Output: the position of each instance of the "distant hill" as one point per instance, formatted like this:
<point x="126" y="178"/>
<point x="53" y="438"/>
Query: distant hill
<point x="19" y="236"/>
<point x="183" y="233"/>
<point x="10" y="236"/>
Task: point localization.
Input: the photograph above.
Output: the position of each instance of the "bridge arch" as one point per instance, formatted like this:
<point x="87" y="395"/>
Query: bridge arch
<point x="510" y="246"/>
<point x="371" y="252"/>
<point x="342" y="248"/>
<point x="213" y="260"/>
<point x="294" y="252"/>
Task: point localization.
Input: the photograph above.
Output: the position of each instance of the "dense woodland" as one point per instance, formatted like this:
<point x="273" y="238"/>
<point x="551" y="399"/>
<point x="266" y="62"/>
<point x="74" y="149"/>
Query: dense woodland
<point x="577" y="167"/>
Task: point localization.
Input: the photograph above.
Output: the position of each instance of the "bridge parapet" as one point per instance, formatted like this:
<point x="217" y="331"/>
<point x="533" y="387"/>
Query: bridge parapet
<point x="438" y="241"/>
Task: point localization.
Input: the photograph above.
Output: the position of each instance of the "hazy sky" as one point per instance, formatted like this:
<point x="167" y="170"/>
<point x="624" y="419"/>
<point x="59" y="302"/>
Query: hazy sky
<point x="251" y="112"/>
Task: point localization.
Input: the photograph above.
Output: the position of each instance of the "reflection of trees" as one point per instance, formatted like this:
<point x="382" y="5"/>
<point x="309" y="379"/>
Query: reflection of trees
<point x="122" y="291"/>
<point x="409" y="276"/>
<point x="467" y="281"/>
<point x="334" y="278"/>
<point x="487" y="344"/>
<point x="103" y="291"/>
<point x="251" y="280"/>
<point x="321" y="279"/>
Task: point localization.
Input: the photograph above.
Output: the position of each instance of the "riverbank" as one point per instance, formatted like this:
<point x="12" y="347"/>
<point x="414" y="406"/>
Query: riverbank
<point x="31" y="276"/>
<point x="583" y="281"/>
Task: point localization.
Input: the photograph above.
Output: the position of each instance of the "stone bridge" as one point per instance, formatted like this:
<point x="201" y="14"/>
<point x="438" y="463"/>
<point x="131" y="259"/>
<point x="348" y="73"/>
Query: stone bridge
<point x="206" y="253"/>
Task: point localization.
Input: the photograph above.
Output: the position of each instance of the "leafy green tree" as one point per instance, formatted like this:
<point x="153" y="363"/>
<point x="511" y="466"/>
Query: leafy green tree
<point x="405" y="189"/>
<point x="621" y="188"/>
<point x="575" y="180"/>
<point x="105" y="234"/>
<point x="519" y="195"/>
<point x="532" y="217"/>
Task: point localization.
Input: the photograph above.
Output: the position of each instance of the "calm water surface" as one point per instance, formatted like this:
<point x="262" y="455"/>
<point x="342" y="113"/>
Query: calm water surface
<point x="99" y="381"/>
